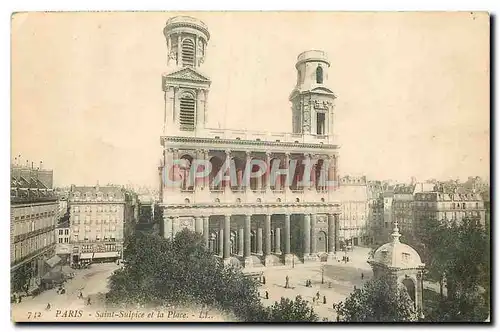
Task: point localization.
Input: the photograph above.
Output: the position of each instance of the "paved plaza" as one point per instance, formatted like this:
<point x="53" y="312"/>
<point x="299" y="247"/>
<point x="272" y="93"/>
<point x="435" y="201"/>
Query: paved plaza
<point x="339" y="280"/>
<point x="90" y="282"/>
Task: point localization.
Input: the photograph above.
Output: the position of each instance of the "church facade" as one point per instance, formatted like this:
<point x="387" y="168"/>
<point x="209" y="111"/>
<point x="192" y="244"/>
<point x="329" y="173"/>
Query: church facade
<point x="257" y="198"/>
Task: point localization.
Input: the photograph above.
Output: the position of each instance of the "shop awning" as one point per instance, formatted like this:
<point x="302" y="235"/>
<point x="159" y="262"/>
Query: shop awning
<point x="53" y="261"/>
<point x="105" y="254"/>
<point x="86" y="255"/>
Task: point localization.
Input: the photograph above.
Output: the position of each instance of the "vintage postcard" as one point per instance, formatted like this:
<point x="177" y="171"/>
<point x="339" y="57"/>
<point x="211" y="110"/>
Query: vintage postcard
<point x="250" y="167"/>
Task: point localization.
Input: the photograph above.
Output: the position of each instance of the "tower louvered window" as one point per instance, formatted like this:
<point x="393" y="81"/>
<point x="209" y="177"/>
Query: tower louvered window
<point x="188" y="54"/>
<point x="319" y="75"/>
<point x="187" y="114"/>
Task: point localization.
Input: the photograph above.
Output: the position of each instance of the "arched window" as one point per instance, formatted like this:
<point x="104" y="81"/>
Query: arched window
<point x="188" y="53"/>
<point x="319" y="75"/>
<point x="187" y="114"/>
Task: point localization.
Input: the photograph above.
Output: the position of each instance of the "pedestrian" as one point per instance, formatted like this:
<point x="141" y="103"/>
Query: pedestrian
<point x="317" y="295"/>
<point x="267" y="295"/>
<point x="324" y="299"/>
<point x="88" y="301"/>
<point x="47" y="307"/>
<point x="263" y="280"/>
<point x="286" y="282"/>
<point x="314" y="301"/>
<point x="329" y="284"/>
<point x="338" y="318"/>
<point x="362" y="276"/>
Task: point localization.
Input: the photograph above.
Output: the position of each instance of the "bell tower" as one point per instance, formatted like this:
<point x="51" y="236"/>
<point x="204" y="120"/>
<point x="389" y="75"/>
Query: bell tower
<point x="185" y="87"/>
<point x="312" y="100"/>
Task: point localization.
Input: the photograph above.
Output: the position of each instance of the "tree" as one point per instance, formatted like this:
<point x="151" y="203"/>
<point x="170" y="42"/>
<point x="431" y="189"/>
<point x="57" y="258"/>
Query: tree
<point x="291" y="311"/>
<point x="461" y="253"/>
<point x="160" y="272"/>
<point x="377" y="301"/>
<point x="21" y="277"/>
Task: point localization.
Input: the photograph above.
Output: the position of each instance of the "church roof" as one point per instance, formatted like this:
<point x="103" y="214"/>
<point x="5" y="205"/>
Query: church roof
<point x="396" y="254"/>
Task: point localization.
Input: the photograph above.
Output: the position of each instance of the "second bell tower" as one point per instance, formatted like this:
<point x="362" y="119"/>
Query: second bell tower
<point x="312" y="101"/>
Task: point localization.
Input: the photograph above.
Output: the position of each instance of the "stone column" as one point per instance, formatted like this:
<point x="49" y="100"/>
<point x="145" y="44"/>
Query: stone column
<point x="307" y="235"/>
<point x="206" y="231"/>
<point x="227" y="236"/>
<point x="331" y="173"/>
<point x="267" y="241"/>
<point x="206" y="179"/>
<point x="248" y="169"/>
<point x="331" y="237"/>
<point x="221" y="238"/>
<point x="227" y="185"/>
<point x="306" y="174"/>
<point x="267" y="234"/>
<point x="241" y="242"/>
<point x="337" y="232"/>
<point x="288" y="255"/>
<point x="289" y="177"/>
<point x="267" y="175"/>
<point x="277" y="241"/>
<point x="175" y="226"/>
<point x="198" y="225"/>
<point x="313" y="235"/>
<point x="259" y="241"/>
<point x="167" y="227"/>
<point x="247" y="234"/>
<point x="179" y="51"/>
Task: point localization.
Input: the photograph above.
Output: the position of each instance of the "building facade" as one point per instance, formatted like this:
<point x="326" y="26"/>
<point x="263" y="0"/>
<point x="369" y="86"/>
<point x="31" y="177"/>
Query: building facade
<point x="402" y="208"/>
<point x="268" y="218"/>
<point x="34" y="213"/>
<point x="354" y="225"/>
<point x="100" y="219"/>
<point x="448" y="207"/>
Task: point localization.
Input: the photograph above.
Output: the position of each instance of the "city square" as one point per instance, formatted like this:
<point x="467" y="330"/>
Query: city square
<point x="314" y="193"/>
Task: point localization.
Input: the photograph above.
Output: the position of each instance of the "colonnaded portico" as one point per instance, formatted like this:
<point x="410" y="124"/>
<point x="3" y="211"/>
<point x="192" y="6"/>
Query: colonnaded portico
<point x="261" y="234"/>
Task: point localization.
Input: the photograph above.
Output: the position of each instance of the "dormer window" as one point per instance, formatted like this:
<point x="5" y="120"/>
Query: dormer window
<point x="319" y="75"/>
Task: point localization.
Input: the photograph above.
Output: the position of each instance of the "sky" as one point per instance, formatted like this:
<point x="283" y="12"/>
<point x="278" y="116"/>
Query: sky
<point x="412" y="89"/>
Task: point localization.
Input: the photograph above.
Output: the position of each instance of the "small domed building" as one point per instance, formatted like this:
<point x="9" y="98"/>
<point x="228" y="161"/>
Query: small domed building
<point x="400" y="263"/>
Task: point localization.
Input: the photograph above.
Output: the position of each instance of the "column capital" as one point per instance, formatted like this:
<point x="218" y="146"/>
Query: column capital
<point x="268" y="153"/>
<point x="248" y="153"/>
<point x="287" y="154"/>
<point x="227" y="152"/>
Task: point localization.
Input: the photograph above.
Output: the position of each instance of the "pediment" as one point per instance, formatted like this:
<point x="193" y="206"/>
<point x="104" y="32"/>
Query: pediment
<point x="187" y="74"/>
<point x="322" y="90"/>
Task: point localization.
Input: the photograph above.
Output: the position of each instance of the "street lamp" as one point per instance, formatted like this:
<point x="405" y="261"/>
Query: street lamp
<point x="322" y="273"/>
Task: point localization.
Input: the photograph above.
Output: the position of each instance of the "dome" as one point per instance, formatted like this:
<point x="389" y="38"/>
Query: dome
<point x="312" y="55"/>
<point x="186" y="24"/>
<point x="396" y="254"/>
